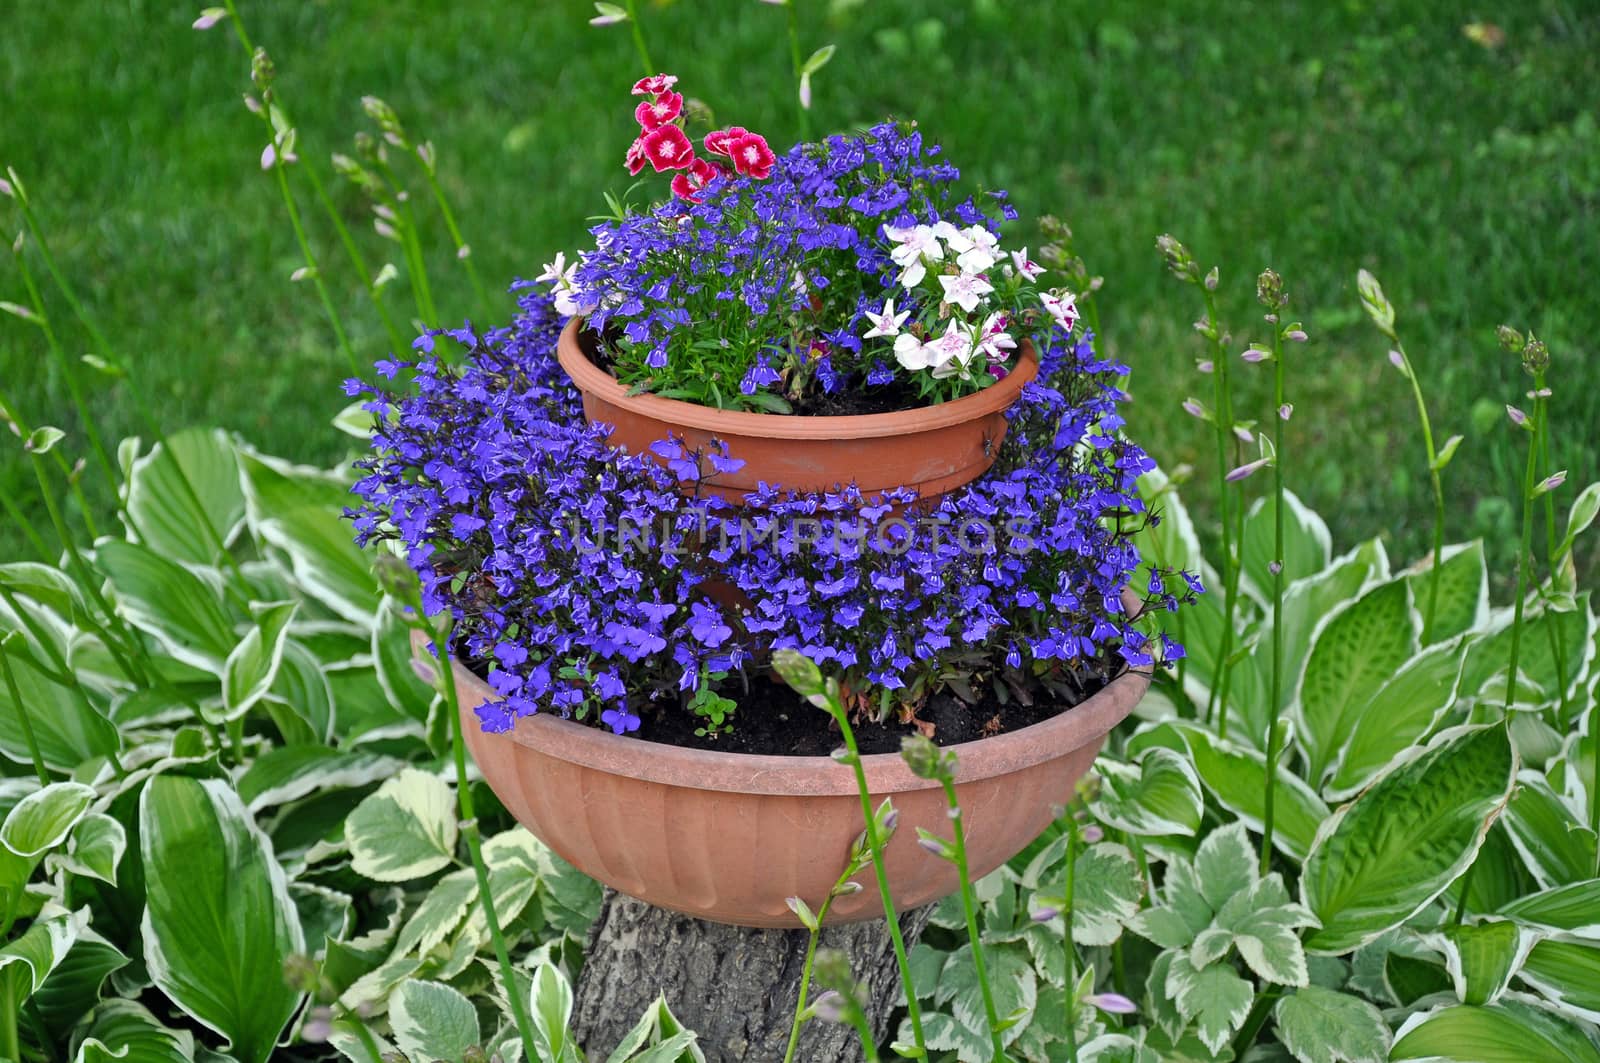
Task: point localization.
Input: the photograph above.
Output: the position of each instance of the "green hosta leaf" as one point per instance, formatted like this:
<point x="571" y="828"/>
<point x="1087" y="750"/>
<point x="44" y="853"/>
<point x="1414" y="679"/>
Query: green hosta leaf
<point x="124" y="1031"/>
<point x="1463" y="603"/>
<point x="1385" y="855"/>
<point x="1574" y="909"/>
<point x="42" y="440"/>
<point x="1105" y="893"/>
<point x="432" y="1021"/>
<point x="1236" y="777"/>
<point x="42" y="820"/>
<point x="1307" y="545"/>
<point x="1482" y="957"/>
<point x="1011" y="980"/>
<point x="1573" y="630"/>
<point x="657" y="1027"/>
<point x="98" y="842"/>
<point x="69" y="731"/>
<point x="252" y="667"/>
<point x="1553" y="839"/>
<point x="169" y="602"/>
<point x="1582" y="514"/>
<point x="550" y="1003"/>
<point x="1159" y="795"/>
<point x="170" y="519"/>
<point x="73" y="988"/>
<point x="391" y="653"/>
<point x="289" y="773"/>
<point x="1214" y="998"/>
<point x="302" y="688"/>
<point x="1507" y="1032"/>
<point x="1567" y="973"/>
<point x="218" y="921"/>
<point x="404" y="831"/>
<point x="1354" y="655"/>
<point x="326" y="562"/>
<point x="27" y="960"/>
<point x="1319" y="1025"/>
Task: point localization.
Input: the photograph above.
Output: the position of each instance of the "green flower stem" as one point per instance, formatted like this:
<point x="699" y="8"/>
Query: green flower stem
<point x="410" y="243"/>
<point x="638" y="39"/>
<point x="440" y="636"/>
<point x="1224" y="425"/>
<point x="279" y="167"/>
<point x="463" y="252"/>
<point x="1438" y="494"/>
<point x="8" y="1016"/>
<point x="875" y="843"/>
<point x="1275" y="728"/>
<point x="1558" y="650"/>
<point x="1530" y="471"/>
<point x="811" y="954"/>
<point x="103" y="346"/>
<point x="969" y="907"/>
<point x="1066" y="935"/>
<point x="23" y="716"/>
<point x="794" y="57"/>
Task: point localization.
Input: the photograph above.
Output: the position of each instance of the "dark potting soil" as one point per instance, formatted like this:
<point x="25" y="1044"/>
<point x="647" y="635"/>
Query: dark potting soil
<point x="772" y="720"/>
<point x="848" y="402"/>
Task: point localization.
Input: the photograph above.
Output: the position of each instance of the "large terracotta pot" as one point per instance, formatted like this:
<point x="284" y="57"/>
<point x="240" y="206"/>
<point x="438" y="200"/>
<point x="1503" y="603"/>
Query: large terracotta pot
<point x="934" y="449"/>
<point x="729" y="837"/>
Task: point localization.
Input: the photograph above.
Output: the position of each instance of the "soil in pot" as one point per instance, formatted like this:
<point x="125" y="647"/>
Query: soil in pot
<point x="771" y="720"/>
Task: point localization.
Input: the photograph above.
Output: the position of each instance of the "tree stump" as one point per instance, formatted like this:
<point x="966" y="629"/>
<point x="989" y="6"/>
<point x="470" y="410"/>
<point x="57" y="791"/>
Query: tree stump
<point x="734" y="986"/>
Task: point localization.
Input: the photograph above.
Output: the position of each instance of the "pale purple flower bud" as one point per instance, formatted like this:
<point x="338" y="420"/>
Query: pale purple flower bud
<point x="1249" y="467"/>
<point x="1043" y="915"/>
<point x="829" y="1005"/>
<point x="1244" y="434"/>
<point x="1111" y="1003"/>
<point x="953" y="812"/>
<point x="302" y="273"/>
<point x="931" y="845"/>
<point x="425" y="153"/>
<point x="210" y="17"/>
<point x="1295" y="335"/>
<point x="18" y="310"/>
<point x="5" y="189"/>
<point x="1092" y="834"/>
<point x="805" y="91"/>
<point x="892" y="820"/>
<point x="394" y="138"/>
<point x="1256" y="354"/>
<point x="1551" y="482"/>
<point x="384" y="211"/>
<point x="16" y="245"/>
<point x="1206" y="365"/>
<point x="607" y="20"/>
<point x="844" y="889"/>
<point x="1397" y="360"/>
<point x="1285" y="411"/>
<point x="269" y="156"/>
<point x="385" y="230"/>
<point x="1193" y="408"/>
<point x="1212" y="279"/>
<point x="1274" y="567"/>
<point x="1518" y="418"/>
<point x="1540" y="393"/>
<point x="464" y="252"/>
<point x="252" y="104"/>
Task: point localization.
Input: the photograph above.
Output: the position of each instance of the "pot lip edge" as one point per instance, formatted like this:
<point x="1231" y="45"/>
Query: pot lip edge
<point x="590" y="379"/>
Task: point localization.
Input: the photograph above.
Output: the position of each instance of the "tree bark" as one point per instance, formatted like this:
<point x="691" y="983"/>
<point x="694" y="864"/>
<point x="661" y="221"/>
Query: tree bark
<point x="734" y="986"/>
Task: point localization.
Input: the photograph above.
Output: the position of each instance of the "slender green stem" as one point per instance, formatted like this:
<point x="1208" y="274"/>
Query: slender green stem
<point x="440" y="636"/>
<point x="1066" y="927"/>
<point x="875" y="843"/>
<point x="1224" y="426"/>
<point x="463" y="251"/>
<point x="8" y="1013"/>
<point x="1558" y="649"/>
<point x="1529" y="473"/>
<point x="794" y="57"/>
<point x="1275" y="705"/>
<point x="811" y="953"/>
<point x="638" y="39"/>
<point x="278" y="167"/>
<point x="1438" y="495"/>
<point x="25" y="718"/>
<point x="969" y="907"/>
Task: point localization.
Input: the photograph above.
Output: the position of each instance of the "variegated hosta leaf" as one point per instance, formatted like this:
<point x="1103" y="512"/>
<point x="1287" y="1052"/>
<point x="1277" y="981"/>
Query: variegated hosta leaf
<point x="1354" y="656"/>
<point x="67" y="729"/>
<point x="1553" y="837"/>
<point x="218" y="919"/>
<point x="1225" y="864"/>
<point x="1262" y="923"/>
<point x="1574" y="909"/>
<point x="96" y="848"/>
<point x="1236" y="776"/>
<point x="171" y="516"/>
<point x="1566" y="973"/>
<point x="326" y="562"/>
<point x="1463" y="595"/>
<point x="1106" y="889"/>
<point x="1482" y="957"/>
<point x="251" y="668"/>
<point x="289" y="773"/>
<point x="27" y="960"/>
<point x="1320" y="1025"/>
<point x="1011" y="981"/>
<point x="406" y="830"/>
<point x="439" y="914"/>
<point x="1215" y="999"/>
<point x="942" y="1033"/>
<point x="180" y="610"/>
<point x="1573" y="630"/>
<point x="1307" y="544"/>
<point x="550" y="1005"/>
<point x="372" y="990"/>
<point x="42" y="820"/>
<point x="124" y="1031"/>
<point x="1511" y="1031"/>
<point x="1191" y="894"/>
<point x="1159" y="795"/>
<point x="432" y="1021"/>
<point x="658" y="1037"/>
<point x="1395" y="848"/>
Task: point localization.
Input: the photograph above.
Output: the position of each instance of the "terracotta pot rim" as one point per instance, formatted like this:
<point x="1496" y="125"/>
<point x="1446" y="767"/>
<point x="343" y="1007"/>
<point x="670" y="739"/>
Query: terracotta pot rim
<point x="593" y="380"/>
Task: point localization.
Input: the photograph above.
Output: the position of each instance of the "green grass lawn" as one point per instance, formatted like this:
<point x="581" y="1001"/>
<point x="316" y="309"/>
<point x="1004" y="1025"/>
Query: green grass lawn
<point x="1316" y="137"/>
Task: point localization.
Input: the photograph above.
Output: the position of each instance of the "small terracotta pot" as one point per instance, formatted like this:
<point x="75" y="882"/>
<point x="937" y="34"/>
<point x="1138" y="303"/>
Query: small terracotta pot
<point x="934" y="449"/>
<point x="729" y="836"/>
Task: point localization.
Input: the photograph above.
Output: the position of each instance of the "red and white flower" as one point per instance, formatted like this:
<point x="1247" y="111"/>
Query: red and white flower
<point x="993" y="339"/>
<point x="887" y="323"/>
<point x="635" y="159"/>
<point x="667" y="148"/>
<point x="1062" y="307"/>
<point x="965" y="290"/>
<point x="751" y="156"/>
<point x="1027" y="269"/>
<point x="653" y="114"/>
<point x="650" y="86"/>
<point x="689" y="185"/>
<point x="717" y="140"/>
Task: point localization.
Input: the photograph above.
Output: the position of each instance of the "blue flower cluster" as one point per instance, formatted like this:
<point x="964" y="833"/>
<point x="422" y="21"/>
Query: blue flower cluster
<point x="588" y="584"/>
<point x="705" y="301"/>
